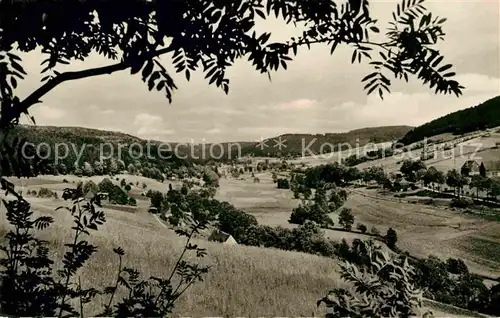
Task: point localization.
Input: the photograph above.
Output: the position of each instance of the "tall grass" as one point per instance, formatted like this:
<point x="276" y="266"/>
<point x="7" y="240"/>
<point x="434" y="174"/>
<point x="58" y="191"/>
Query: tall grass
<point x="244" y="281"/>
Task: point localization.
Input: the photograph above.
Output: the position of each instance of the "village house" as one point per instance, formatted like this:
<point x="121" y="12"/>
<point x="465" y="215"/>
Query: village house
<point x="470" y="168"/>
<point x="492" y="168"/>
<point x="222" y="237"/>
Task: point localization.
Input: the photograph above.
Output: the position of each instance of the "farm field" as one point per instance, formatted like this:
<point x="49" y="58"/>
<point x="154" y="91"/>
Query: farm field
<point x="423" y="230"/>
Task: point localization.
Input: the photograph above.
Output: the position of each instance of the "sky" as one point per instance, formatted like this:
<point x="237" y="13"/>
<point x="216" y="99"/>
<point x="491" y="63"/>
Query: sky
<point x="319" y="93"/>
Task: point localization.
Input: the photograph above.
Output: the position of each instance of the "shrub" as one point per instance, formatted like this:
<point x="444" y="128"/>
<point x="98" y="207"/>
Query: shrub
<point x="460" y="203"/>
<point x="45" y="193"/>
<point x="391" y="237"/>
<point x="173" y="220"/>
<point x="132" y="201"/>
<point x="105" y="185"/>
<point x="283" y="184"/>
<point x="65" y="181"/>
<point x="361" y="227"/>
<point x="90" y="186"/>
<point x="157" y="199"/>
<point x="456" y="266"/>
<point x="374" y="231"/>
<point x="118" y="196"/>
<point x="384" y="288"/>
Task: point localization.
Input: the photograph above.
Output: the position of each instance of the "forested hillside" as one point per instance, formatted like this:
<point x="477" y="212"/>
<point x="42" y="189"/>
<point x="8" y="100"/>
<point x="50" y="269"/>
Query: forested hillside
<point x="296" y="142"/>
<point x="482" y="116"/>
<point x="78" y="150"/>
<point x="76" y="137"/>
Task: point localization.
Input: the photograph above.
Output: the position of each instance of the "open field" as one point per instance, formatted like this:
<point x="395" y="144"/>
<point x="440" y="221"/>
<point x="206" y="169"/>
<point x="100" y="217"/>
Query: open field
<point x="426" y="230"/>
<point x="422" y="229"/>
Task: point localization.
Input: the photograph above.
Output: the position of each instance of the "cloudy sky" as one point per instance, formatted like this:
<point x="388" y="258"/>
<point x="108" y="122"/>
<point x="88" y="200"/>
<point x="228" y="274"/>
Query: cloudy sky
<point x="318" y="93"/>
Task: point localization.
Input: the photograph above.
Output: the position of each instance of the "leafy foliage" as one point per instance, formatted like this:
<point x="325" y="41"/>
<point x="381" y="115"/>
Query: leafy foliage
<point x="135" y="38"/>
<point x="382" y="288"/>
<point x="132" y="35"/>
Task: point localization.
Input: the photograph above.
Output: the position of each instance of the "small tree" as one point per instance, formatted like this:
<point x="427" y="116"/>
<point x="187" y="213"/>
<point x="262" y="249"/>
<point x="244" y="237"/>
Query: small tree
<point x="106" y="185"/>
<point x="283" y="184"/>
<point x="157" y="200"/>
<point x="361" y="227"/>
<point x="346" y="218"/>
<point x="90" y="186"/>
<point x="391" y="237"/>
<point x="184" y="189"/>
<point x="482" y="170"/>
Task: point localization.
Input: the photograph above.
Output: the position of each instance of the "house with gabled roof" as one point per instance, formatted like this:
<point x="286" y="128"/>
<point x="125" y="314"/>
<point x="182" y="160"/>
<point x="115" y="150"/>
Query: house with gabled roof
<point x="470" y="168"/>
<point x="222" y="237"/>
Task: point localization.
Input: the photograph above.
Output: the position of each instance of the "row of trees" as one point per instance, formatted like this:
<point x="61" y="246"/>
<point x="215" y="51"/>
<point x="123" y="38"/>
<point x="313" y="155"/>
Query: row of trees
<point x="417" y="171"/>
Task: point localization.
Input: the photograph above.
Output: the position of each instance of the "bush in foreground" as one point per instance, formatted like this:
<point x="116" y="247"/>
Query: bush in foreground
<point x="30" y="287"/>
<point x="383" y="288"/>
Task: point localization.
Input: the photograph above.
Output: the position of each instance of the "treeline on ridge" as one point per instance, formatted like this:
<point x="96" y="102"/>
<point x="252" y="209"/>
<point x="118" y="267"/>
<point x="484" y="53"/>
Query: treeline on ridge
<point x="483" y="116"/>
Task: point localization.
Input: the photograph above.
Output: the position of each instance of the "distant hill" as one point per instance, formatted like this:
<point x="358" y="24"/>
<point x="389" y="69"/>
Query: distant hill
<point x="325" y="142"/>
<point x="480" y="117"/>
<point x="85" y="144"/>
<point x="74" y="149"/>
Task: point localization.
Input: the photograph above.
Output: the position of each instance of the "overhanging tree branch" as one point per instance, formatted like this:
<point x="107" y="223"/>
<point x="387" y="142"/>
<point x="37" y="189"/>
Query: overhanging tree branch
<point x="33" y="98"/>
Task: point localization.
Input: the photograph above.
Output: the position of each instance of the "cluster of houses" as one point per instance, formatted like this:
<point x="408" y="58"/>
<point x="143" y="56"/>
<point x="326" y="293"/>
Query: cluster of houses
<point x="473" y="167"/>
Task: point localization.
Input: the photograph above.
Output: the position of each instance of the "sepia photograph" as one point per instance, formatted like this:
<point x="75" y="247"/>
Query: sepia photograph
<point x="250" y="158"/>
